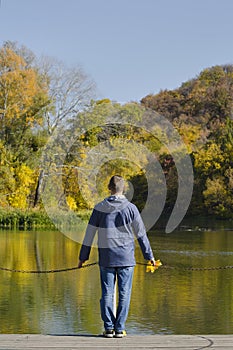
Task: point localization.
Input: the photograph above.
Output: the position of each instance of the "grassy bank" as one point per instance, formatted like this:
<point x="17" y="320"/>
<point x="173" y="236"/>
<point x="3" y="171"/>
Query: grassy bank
<point x="33" y="219"/>
<point x="30" y="219"/>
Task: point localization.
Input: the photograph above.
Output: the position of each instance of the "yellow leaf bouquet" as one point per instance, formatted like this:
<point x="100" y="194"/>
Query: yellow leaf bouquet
<point x="151" y="268"/>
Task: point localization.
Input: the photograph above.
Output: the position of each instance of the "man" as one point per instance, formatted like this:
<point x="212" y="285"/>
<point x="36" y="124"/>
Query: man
<point x="118" y="222"/>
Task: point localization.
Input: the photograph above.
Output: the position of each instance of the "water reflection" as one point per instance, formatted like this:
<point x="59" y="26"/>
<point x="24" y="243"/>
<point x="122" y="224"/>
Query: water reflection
<point x="169" y="301"/>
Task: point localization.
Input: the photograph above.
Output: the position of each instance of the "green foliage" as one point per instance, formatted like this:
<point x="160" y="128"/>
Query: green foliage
<point x="24" y="219"/>
<point x="12" y="218"/>
<point x="218" y="196"/>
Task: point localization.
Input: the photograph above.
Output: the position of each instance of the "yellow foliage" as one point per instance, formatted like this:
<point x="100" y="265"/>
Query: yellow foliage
<point x="210" y="158"/>
<point x="71" y="203"/>
<point x="215" y="188"/>
<point x="104" y="100"/>
<point x="20" y="89"/>
<point x="190" y="134"/>
<point x="24" y="179"/>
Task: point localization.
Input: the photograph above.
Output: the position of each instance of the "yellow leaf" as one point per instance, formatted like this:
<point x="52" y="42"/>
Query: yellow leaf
<point x="151" y="268"/>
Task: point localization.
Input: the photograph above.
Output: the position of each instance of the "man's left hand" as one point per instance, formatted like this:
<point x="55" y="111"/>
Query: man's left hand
<point x="153" y="262"/>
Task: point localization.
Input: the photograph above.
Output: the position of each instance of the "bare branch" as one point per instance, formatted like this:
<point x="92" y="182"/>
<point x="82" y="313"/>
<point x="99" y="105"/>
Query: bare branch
<point x="70" y="90"/>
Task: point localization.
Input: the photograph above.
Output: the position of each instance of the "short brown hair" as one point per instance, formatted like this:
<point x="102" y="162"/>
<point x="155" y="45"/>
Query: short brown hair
<point x="116" y="183"/>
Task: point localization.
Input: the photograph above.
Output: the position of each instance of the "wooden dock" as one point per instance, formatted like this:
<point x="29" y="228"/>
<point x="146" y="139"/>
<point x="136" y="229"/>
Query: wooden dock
<point x="85" y="342"/>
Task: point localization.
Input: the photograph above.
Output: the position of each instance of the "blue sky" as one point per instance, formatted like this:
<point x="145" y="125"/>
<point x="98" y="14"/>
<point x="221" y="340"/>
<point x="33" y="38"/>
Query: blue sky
<point x="130" y="48"/>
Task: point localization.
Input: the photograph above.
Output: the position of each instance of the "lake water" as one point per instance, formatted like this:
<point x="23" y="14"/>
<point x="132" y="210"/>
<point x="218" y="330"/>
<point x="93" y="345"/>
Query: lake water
<point x="173" y="300"/>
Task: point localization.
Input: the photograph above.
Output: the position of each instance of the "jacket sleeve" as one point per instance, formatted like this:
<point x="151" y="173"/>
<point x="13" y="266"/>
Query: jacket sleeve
<point x="89" y="236"/>
<point x="145" y="247"/>
<point x="140" y="233"/>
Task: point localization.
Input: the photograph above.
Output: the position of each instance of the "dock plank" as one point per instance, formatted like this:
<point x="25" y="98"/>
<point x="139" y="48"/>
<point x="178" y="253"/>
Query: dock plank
<point x="86" y="342"/>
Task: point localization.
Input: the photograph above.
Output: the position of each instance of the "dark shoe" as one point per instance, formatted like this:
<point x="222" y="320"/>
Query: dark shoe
<point x="120" y="334"/>
<point x="109" y="333"/>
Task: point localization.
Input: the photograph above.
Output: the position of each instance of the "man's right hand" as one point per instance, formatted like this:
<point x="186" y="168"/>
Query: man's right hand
<point x="80" y="264"/>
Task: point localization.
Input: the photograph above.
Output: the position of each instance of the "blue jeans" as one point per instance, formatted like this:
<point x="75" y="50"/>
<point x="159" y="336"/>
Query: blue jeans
<point x="108" y="276"/>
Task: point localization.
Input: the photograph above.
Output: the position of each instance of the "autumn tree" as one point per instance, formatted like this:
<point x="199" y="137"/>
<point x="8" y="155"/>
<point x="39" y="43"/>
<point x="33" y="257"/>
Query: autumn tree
<point x="37" y="96"/>
<point x="201" y="110"/>
<point x="108" y="140"/>
<point x="23" y="99"/>
<point x="70" y="91"/>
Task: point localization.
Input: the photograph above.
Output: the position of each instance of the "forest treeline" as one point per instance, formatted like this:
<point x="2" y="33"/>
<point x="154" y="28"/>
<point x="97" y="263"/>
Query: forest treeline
<point x="41" y="96"/>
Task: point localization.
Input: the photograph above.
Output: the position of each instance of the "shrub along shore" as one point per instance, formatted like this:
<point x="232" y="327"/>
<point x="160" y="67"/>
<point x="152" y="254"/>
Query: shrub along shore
<point x="33" y="219"/>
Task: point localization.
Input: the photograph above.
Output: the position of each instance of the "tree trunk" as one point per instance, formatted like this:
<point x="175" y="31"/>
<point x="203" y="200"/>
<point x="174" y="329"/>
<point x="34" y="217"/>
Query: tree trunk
<point x="38" y="188"/>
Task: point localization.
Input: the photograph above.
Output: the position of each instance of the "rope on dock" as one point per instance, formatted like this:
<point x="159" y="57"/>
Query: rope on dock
<point x="198" y="268"/>
<point x="47" y="271"/>
<point x="166" y="267"/>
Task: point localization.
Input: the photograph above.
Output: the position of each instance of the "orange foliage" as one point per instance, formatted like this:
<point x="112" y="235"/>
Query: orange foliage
<point x="21" y="92"/>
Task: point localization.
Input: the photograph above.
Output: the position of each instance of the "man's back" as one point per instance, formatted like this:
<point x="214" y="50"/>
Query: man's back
<point x="118" y="223"/>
